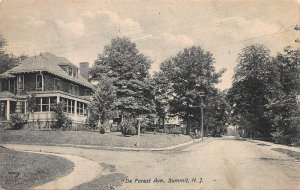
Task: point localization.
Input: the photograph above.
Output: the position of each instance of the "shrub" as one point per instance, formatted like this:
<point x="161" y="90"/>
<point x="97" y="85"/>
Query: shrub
<point x="102" y="130"/>
<point x="62" y="121"/>
<point x="92" y="120"/>
<point x="131" y="130"/>
<point x="16" y="122"/>
<point x="128" y="127"/>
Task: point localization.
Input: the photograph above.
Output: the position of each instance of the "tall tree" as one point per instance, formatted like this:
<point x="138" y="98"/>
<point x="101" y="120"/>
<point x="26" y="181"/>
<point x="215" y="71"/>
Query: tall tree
<point x="122" y="62"/>
<point x="255" y="85"/>
<point x="162" y="92"/>
<point x="190" y="73"/>
<point x="103" y="100"/>
<point x="285" y="108"/>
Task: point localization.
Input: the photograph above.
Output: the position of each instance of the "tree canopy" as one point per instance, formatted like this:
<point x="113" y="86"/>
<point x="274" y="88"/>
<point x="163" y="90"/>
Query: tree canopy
<point x="7" y="61"/>
<point x="128" y="69"/>
<point x="264" y="91"/>
<point x="190" y="74"/>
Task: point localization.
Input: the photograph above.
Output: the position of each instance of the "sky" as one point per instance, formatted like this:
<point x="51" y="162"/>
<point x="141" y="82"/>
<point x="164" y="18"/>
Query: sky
<point x="79" y="29"/>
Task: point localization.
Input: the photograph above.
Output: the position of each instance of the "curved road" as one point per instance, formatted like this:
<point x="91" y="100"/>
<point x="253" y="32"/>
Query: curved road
<point x="213" y="164"/>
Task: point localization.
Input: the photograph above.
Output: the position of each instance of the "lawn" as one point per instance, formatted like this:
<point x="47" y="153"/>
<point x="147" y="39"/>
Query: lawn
<point x="114" y="139"/>
<point x="22" y="170"/>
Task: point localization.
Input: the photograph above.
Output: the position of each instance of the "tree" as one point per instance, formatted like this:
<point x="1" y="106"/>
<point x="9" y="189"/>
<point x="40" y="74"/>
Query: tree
<point x="6" y="61"/>
<point x="128" y="70"/>
<point x="103" y="100"/>
<point x="255" y="86"/>
<point x="62" y="121"/>
<point x="31" y="106"/>
<point x="162" y="94"/>
<point x="190" y="73"/>
<point x="284" y="108"/>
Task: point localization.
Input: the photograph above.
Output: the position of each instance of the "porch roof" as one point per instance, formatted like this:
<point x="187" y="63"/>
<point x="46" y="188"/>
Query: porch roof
<point x="7" y="94"/>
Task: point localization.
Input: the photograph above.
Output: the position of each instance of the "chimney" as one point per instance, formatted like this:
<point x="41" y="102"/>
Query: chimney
<point x="84" y="70"/>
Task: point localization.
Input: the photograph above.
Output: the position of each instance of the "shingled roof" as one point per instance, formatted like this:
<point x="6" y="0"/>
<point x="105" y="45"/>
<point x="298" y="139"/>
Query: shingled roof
<point x="50" y="63"/>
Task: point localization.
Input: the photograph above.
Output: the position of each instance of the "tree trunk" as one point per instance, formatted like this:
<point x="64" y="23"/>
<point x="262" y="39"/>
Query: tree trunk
<point x="163" y="120"/>
<point x="188" y="126"/>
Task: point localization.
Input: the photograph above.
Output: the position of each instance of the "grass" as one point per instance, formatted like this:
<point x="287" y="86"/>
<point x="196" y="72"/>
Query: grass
<point x="90" y="138"/>
<point x="22" y="170"/>
<point x="291" y="153"/>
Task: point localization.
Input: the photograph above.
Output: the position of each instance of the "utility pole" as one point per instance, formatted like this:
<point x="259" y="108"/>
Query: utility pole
<point x="202" y="106"/>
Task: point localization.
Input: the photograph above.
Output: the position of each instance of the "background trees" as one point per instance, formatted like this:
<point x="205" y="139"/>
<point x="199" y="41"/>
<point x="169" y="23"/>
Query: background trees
<point x="188" y="74"/>
<point x="264" y="92"/>
<point x="128" y="70"/>
<point x="7" y="61"/>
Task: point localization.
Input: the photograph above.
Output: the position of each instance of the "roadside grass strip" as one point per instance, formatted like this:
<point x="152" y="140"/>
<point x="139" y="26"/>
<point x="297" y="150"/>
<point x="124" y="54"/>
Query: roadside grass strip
<point x="291" y="153"/>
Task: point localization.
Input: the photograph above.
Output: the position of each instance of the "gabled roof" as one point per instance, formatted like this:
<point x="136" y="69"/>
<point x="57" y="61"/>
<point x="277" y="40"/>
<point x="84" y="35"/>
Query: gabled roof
<point x="48" y="63"/>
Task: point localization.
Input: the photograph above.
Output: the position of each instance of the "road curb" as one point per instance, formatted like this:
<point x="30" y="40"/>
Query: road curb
<point x="120" y="148"/>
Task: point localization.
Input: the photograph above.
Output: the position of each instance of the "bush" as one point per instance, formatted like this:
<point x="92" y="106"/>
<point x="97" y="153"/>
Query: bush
<point x="16" y="122"/>
<point x="62" y="121"/>
<point x="92" y="120"/>
<point x="102" y="130"/>
<point x="128" y="127"/>
<point x="131" y="130"/>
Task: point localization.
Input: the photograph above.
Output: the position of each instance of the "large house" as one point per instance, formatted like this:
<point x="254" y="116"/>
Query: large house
<point x="51" y="79"/>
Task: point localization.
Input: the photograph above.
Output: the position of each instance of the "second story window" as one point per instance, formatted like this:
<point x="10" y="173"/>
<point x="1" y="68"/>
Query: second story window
<point x="57" y="84"/>
<point x="71" y="71"/>
<point x="39" y="81"/>
<point x="71" y="89"/>
<point x="75" y="73"/>
<point x="87" y="92"/>
<point x="20" y="82"/>
<point x="76" y="90"/>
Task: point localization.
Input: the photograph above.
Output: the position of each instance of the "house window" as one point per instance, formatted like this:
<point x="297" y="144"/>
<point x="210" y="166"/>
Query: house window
<point x="87" y="92"/>
<point x="81" y="108"/>
<point x="65" y="104"/>
<point x="75" y="73"/>
<point x="39" y="81"/>
<point x="56" y="84"/>
<point x="76" y="90"/>
<point x="71" y="88"/>
<point x="71" y="106"/>
<point x="20" y="83"/>
<point x="38" y="104"/>
<point x="71" y="71"/>
<point x="52" y="102"/>
<point x="23" y="107"/>
<point x="45" y="104"/>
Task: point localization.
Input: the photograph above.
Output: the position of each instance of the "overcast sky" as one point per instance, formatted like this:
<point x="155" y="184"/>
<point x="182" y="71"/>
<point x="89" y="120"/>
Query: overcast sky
<point x="79" y="29"/>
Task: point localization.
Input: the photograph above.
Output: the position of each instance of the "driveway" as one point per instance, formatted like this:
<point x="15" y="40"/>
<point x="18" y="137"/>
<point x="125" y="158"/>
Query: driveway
<point x="212" y="164"/>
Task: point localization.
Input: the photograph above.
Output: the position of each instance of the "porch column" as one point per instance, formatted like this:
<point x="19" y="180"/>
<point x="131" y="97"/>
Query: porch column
<point x="57" y="99"/>
<point x="7" y="110"/>
<point x="75" y="108"/>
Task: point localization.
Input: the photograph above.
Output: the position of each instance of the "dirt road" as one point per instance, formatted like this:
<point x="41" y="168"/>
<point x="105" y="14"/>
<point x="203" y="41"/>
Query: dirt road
<point x="213" y="164"/>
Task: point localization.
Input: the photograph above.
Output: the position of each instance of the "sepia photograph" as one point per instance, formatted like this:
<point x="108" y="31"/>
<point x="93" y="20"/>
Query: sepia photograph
<point x="150" y="94"/>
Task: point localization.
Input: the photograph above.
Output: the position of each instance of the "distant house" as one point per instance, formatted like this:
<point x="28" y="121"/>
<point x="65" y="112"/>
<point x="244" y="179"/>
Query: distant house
<point x="51" y="79"/>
